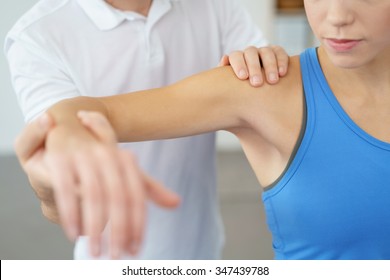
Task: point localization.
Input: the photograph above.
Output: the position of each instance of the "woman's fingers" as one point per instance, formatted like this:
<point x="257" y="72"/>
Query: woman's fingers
<point x="117" y="201"/>
<point x="92" y="201"/>
<point x="136" y="193"/>
<point x="159" y="194"/>
<point x="64" y="178"/>
<point x="109" y="185"/>
<point x="101" y="184"/>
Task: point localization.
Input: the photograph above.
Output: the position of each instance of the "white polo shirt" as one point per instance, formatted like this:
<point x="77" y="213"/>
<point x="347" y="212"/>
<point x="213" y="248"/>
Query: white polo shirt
<point x="66" y="48"/>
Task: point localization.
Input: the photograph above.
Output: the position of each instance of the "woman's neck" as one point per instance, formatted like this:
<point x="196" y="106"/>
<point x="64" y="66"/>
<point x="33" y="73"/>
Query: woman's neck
<point x="370" y="80"/>
<point x="139" y="6"/>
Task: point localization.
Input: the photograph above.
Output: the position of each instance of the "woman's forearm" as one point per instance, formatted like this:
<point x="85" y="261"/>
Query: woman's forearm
<point x="64" y="113"/>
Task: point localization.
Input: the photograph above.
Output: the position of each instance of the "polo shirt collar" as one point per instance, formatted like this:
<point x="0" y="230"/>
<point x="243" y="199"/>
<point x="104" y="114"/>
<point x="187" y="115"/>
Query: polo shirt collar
<point x="105" y="17"/>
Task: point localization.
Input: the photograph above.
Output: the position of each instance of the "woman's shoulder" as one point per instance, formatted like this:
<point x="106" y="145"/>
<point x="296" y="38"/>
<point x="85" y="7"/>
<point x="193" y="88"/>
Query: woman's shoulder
<point x="279" y="96"/>
<point x="221" y="85"/>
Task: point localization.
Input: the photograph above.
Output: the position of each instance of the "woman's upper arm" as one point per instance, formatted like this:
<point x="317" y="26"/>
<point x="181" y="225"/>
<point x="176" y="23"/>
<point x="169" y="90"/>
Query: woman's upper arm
<point x="209" y="101"/>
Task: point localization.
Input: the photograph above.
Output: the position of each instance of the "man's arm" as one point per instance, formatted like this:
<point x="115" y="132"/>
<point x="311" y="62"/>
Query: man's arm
<point x="29" y="147"/>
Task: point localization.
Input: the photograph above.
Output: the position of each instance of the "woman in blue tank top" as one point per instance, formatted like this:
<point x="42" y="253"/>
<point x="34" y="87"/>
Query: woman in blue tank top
<point x="319" y="141"/>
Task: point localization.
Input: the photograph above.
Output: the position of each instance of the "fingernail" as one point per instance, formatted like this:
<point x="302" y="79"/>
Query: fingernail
<point x="115" y="253"/>
<point x="256" y="80"/>
<point x="134" y="247"/>
<point x="281" y="70"/>
<point x="81" y="113"/>
<point x="242" y="74"/>
<point x="73" y="233"/>
<point x="273" y="77"/>
<point x="83" y="116"/>
<point x="95" y="250"/>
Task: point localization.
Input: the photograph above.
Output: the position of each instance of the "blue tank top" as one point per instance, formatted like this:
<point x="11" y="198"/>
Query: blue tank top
<point x="333" y="201"/>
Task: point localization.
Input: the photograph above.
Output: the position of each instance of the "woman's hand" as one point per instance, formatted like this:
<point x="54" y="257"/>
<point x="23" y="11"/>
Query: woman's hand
<point x="84" y="180"/>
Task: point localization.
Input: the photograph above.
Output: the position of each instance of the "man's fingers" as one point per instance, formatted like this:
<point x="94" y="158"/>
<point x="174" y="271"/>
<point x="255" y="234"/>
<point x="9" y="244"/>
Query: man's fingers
<point x="249" y="63"/>
<point x="50" y="212"/>
<point x="254" y="64"/>
<point x="282" y="59"/>
<point x="32" y="137"/>
<point x="237" y="61"/>
<point x="270" y="64"/>
<point x="224" y="61"/>
<point x="98" y="125"/>
<point x="29" y="147"/>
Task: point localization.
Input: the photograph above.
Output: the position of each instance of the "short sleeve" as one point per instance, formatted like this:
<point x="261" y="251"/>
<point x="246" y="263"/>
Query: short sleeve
<point x="38" y="77"/>
<point x="239" y="29"/>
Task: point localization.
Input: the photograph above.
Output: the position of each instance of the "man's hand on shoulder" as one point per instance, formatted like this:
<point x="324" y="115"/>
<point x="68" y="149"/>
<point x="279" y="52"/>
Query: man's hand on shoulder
<point x="250" y="63"/>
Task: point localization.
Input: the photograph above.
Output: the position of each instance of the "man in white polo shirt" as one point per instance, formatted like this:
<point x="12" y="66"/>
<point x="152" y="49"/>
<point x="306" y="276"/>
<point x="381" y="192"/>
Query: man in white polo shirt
<point x="66" y="48"/>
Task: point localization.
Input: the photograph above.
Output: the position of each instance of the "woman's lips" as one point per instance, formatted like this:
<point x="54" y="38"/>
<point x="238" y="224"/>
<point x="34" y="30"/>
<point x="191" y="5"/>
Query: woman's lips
<point x="342" y="45"/>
